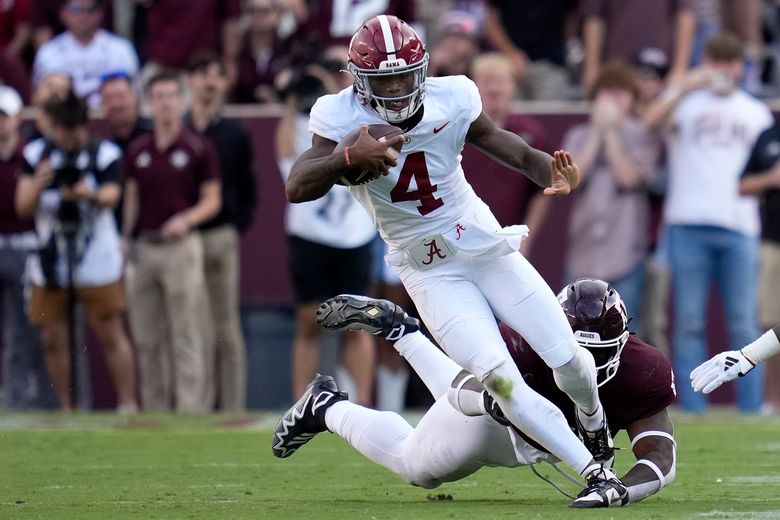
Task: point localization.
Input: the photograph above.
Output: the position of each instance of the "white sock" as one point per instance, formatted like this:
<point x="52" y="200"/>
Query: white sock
<point x="577" y="379"/>
<point x="391" y="388"/>
<point x="380" y="436"/>
<point x="536" y="416"/>
<point x="432" y="365"/>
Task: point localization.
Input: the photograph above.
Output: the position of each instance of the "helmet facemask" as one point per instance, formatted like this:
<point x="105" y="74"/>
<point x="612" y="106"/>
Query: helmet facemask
<point x="382" y="105"/>
<point x="605" y="353"/>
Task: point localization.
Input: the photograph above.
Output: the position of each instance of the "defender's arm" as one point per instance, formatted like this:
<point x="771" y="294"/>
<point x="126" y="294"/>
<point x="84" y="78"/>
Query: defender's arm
<point x="654" y="447"/>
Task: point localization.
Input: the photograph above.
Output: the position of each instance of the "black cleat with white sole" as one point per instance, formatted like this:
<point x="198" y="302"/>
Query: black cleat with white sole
<point x="306" y="418"/>
<point x="353" y="312"/>
<point x="599" y="443"/>
<point x="602" y="489"/>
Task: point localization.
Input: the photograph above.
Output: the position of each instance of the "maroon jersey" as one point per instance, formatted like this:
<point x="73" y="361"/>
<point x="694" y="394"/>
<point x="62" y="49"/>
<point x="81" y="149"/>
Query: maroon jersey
<point x="180" y="28"/>
<point x="642" y="386"/>
<point x="509" y="204"/>
<point x="10" y="222"/>
<point x="169" y="180"/>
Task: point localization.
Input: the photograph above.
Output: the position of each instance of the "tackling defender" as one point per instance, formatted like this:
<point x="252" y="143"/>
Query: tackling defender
<point x="464" y="430"/>
<point x="457" y="263"/>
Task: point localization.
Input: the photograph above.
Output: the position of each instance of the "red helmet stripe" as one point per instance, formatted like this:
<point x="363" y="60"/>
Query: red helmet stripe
<point x="387" y="34"/>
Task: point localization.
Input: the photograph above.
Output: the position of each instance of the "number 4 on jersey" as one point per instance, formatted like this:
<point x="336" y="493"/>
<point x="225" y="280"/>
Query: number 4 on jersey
<point x="415" y="166"/>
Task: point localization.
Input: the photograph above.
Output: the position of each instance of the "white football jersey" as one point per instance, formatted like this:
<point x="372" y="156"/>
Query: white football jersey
<point x="426" y="193"/>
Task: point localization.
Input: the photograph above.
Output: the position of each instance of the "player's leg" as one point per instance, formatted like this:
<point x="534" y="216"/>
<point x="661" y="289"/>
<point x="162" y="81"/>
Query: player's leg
<point x="521" y="298"/>
<point x="445" y="446"/>
<point x="386" y="319"/>
<point x="458" y="315"/>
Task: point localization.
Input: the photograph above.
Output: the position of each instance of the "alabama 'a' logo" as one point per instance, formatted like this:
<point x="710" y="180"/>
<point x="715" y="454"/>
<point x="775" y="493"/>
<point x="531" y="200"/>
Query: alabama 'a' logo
<point x="433" y="250"/>
<point x="458" y="229"/>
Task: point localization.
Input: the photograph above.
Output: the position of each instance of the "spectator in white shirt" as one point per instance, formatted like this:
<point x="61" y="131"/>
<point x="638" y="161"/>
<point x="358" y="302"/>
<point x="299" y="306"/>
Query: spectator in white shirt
<point x="712" y="229"/>
<point x="85" y="52"/>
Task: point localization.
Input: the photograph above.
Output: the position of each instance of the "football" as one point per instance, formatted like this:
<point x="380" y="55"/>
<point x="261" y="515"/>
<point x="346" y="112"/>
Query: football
<point x="356" y="176"/>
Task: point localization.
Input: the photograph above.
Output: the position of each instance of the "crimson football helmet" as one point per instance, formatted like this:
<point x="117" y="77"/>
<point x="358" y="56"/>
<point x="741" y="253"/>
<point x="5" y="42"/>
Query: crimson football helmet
<point x="598" y="317"/>
<point x="386" y="54"/>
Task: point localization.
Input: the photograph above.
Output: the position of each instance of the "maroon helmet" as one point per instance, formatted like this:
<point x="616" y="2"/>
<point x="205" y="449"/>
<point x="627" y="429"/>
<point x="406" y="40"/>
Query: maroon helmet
<point x="599" y="320"/>
<point x="386" y="48"/>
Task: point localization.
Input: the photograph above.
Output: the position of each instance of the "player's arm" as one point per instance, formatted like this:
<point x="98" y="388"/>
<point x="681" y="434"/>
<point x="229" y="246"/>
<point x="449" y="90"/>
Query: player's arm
<point x="654" y="447"/>
<point x="659" y="113"/>
<point x="318" y="168"/>
<point x="558" y="175"/>
<point x="732" y="364"/>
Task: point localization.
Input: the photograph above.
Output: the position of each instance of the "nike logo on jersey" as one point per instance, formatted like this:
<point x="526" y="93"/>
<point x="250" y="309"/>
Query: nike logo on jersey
<point x="437" y="130"/>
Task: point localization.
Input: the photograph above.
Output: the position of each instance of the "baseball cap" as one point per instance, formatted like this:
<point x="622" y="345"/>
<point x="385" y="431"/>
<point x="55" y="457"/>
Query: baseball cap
<point x="651" y="62"/>
<point x="10" y="101"/>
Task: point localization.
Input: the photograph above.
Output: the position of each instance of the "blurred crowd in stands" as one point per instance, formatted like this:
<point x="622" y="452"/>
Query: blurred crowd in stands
<point x="679" y="157"/>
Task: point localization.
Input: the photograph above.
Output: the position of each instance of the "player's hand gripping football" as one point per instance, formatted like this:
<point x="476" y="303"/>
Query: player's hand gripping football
<point x="565" y="175"/>
<point x="369" y="154"/>
<point x="720" y="369"/>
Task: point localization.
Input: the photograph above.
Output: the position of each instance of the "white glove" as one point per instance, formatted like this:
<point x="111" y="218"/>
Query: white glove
<point x="722" y="368"/>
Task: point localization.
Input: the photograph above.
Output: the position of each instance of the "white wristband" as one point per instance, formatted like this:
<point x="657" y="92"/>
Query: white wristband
<point x="762" y="349"/>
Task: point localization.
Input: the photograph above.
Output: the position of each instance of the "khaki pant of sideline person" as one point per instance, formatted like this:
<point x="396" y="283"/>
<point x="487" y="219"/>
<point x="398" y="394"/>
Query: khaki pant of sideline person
<point x="164" y="285"/>
<point x="224" y="347"/>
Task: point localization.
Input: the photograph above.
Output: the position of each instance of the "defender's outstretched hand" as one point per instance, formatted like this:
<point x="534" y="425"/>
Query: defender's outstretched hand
<point x="724" y="367"/>
<point x="565" y="174"/>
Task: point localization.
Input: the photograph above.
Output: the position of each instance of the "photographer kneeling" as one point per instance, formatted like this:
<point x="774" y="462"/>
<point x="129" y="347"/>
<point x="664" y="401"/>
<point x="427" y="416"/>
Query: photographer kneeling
<point x="71" y="183"/>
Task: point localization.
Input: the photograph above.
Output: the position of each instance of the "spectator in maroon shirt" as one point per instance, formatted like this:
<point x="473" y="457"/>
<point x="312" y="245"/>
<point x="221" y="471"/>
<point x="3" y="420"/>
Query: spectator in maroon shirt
<point x="13" y="72"/>
<point x="172" y="187"/>
<point x="121" y="110"/>
<point x="260" y="57"/>
<point x="177" y="29"/>
<point x="15" y="26"/>
<point x="23" y="365"/>
<point x="519" y="200"/>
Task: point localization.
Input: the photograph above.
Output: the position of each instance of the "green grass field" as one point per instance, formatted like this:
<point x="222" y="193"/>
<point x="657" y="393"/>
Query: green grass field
<point x="98" y="466"/>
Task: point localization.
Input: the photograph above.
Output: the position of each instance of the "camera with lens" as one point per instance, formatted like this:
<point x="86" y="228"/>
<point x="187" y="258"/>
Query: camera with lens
<point x="68" y="174"/>
<point x="306" y="88"/>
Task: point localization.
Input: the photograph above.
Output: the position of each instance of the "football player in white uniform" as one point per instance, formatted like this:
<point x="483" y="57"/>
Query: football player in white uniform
<point x="464" y="430"/>
<point x="457" y="263"/>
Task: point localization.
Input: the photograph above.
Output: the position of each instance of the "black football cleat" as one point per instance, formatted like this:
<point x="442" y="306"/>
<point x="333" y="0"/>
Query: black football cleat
<point x="602" y="489"/>
<point x="379" y="317"/>
<point x="599" y="443"/>
<point x="306" y="418"/>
